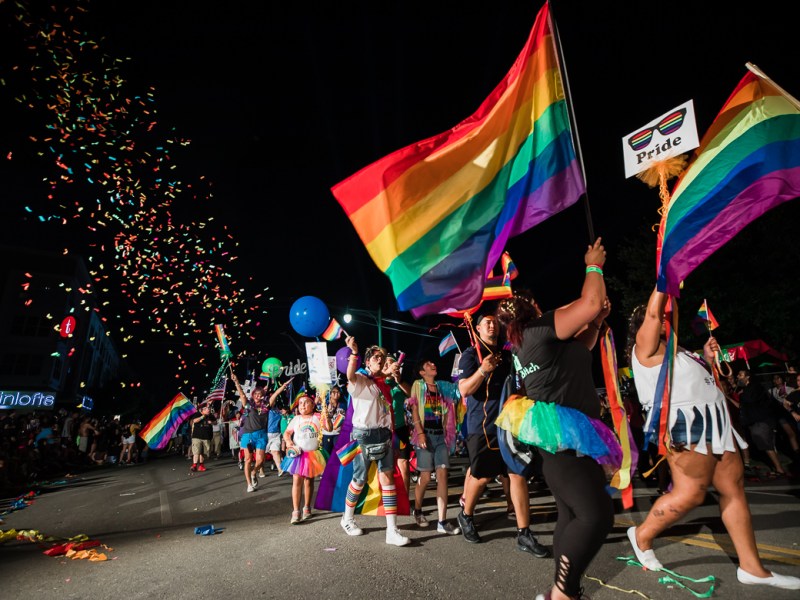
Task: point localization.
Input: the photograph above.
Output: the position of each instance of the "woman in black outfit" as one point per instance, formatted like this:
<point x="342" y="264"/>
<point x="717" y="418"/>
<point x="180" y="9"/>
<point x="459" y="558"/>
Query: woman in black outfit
<point x="561" y="416"/>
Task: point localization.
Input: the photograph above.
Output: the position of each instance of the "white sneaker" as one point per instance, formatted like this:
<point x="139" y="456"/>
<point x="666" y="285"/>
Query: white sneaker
<point x="250" y="488"/>
<point x="262" y="474"/>
<point x="448" y="528"/>
<point x="395" y="538"/>
<point x="646" y="557"/>
<point x="350" y="527"/>
<point x="785" y="582"/>
<point x="254" y="482"/>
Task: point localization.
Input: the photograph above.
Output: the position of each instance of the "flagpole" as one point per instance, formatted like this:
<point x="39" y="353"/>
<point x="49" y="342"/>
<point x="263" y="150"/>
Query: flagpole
<point x="562" y="67"/>
<point x="708" y="317"/>
<point x="758" y="72"/>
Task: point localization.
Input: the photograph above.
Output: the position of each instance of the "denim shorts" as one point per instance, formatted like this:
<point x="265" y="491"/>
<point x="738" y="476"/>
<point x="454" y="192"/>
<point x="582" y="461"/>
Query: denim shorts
<point x="678" y="432"/>
<point x="258" y="440"/>
<point x="436" y="456"/>
<point x="365" y="437"/>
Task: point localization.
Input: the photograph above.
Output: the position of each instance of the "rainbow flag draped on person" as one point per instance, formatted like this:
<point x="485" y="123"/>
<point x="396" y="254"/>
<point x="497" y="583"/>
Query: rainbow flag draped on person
<point x="436" y="215"/>
<point x="159" y="430"/>
<point x="748" y="162"/>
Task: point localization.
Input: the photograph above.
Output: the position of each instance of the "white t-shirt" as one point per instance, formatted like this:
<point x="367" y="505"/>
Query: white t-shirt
<point x="305" y="432"/>
<point x="370" y="409"/>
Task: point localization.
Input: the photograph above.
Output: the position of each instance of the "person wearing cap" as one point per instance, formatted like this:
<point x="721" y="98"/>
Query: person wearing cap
<point x="485" y="369"/>
<point x="372" y="427"/>
<point x="202" y="433"/>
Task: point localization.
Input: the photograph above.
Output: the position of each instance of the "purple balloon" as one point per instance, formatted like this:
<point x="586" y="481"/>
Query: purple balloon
<point x="343" y="357"/>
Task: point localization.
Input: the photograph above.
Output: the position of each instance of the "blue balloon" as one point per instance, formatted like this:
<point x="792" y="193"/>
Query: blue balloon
<point x="309" y="316"/>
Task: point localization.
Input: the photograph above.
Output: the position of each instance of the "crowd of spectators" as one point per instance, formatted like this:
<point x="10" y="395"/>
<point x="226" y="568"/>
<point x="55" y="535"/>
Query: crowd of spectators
<point x="38" y="446"/>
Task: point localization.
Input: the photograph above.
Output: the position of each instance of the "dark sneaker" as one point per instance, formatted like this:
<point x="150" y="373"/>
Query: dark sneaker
<point x="468" y="528"/>
<point x="527" y="543"/>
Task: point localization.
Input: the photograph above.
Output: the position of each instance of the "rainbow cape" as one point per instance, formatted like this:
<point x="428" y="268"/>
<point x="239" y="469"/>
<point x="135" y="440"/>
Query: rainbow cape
<point x="748" y="162"/>
<point x="436" y="215"/>
<point x="336" y="478"/>
<point x="159" y="430"/>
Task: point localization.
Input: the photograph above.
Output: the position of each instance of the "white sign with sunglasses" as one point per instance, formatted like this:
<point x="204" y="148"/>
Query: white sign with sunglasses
<point x="672" y="134"/>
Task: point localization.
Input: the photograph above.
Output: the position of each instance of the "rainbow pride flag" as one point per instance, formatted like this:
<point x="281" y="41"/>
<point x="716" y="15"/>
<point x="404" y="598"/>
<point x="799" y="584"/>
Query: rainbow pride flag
<point x="705" y="314"/>
<point x="347" y="453"/>
<point x="748" y="162"/>
<point x="159" y="430"/>
<point x="333" y="332"/>
<point x="436" y="215"/>
<point x="224" y="348"/>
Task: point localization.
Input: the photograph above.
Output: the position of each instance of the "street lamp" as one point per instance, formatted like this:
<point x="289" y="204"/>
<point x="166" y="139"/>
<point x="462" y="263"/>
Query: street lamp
<point x="377" y="319"/>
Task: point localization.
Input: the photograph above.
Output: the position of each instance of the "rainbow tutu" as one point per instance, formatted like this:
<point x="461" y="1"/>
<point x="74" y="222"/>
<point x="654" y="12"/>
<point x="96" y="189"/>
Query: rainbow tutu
<point x="306" y="464"/>
<point x="554" y="428"/>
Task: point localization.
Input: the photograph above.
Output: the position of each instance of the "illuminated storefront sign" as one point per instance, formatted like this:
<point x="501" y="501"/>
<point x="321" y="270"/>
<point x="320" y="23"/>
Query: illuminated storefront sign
<point x="25" y="399"/>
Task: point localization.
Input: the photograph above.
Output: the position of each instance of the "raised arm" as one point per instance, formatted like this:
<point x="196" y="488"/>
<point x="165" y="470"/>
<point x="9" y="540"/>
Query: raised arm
<point x="274" y="397"/>
<point x="648" y="338"/>
<point x="574" y="317"/>
<point x="352" y="360"/>
<point x="239" y="390"/>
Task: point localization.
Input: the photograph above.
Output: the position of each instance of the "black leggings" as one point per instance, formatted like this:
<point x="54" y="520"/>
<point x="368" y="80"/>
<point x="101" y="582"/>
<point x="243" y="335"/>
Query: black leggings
<point x="585" y="515"/>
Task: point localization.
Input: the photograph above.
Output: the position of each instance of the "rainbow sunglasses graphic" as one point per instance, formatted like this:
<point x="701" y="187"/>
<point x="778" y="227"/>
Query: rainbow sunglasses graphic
<point x="666" y="126"/>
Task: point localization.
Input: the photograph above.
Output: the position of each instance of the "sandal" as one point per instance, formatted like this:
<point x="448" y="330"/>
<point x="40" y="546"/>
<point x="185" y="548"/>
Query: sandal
<point x="295" y="517"/>
<point x="306" y="513"/>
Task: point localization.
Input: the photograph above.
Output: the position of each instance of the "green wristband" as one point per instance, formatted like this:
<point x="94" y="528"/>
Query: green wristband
<point x="594" y="269"/>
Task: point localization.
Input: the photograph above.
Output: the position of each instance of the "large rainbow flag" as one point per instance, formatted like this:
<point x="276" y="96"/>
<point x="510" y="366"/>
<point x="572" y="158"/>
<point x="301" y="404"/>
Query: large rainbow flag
<point x="159" y="430"/>
<point x="748" y="162"/>
<point x="435" y="216"/>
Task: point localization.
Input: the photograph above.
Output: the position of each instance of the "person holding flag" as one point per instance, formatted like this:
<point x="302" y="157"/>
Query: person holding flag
<point x="702" y="445"/>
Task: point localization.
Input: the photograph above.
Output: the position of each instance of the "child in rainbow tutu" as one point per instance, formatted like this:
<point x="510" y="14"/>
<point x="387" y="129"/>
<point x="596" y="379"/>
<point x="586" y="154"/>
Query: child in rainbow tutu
<point x="304" y="459"/>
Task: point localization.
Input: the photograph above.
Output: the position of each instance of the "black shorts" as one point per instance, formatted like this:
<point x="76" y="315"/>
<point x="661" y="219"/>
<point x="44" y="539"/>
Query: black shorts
<point x="402" y="442"/>
<point x="485" y="459"/>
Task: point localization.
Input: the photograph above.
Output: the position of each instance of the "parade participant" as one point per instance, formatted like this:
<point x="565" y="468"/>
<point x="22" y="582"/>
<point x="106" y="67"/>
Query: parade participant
<point x="275" y="429"/>
<point x="401" y="440"/>
<point x="336" y="413"/>
<point x="304" y="458"/>
<point x="372" y="427"/>
<point x="253" y="431"/>
<point x="561" y="416"/>
<point x="484" y="373"/>
<point x="702" y="450"/>
<point x="433" y="408"/>
<point x="201" y="437"/>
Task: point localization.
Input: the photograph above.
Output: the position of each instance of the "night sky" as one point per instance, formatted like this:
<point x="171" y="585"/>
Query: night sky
<point x="283" y="100"/>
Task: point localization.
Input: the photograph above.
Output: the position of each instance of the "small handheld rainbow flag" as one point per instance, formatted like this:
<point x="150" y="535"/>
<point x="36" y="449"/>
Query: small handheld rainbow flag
<point x="347" y="453"/>
<point x="159" y="430"/>
<point x="333" y="332"/>
<point x="706" y="315"/>
<point x="337" y="421"/>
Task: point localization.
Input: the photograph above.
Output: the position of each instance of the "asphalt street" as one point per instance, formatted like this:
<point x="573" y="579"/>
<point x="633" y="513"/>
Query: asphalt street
<point x="145" y="518"/>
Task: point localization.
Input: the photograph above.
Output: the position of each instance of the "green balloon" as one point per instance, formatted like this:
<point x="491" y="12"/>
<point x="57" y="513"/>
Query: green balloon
<point x="272" y="367"/>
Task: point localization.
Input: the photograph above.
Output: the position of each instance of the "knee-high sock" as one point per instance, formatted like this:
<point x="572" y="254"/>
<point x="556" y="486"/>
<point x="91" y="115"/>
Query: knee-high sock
<point x="351" y="499"/>
<point x="389" y="495"/>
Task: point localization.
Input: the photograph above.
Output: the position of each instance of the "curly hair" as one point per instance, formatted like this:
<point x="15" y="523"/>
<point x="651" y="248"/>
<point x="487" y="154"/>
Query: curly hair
<point x="634" y="323"/>
<point x="515" y="314"/>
